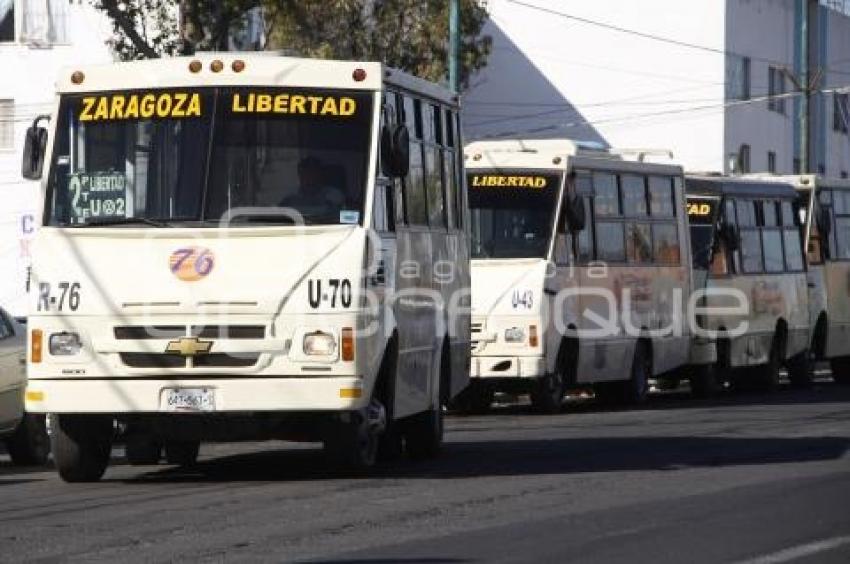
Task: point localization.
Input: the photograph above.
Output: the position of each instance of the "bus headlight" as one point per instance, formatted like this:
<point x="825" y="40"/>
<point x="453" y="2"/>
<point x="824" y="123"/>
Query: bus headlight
<point x="65" y="344"/>
<point x="514" y="335"/>
<point x="319" y="343"/>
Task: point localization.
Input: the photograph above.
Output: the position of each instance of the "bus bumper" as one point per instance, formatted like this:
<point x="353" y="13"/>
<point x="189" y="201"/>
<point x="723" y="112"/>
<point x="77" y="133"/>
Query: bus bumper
<point x="508" y="367"/>
<point x="131" y="395"/>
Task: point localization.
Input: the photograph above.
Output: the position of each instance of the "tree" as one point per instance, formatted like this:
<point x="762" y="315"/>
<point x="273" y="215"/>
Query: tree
<point x="408" y="34"/>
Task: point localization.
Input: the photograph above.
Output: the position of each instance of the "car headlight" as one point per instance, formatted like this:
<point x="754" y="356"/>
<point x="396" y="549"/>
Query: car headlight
<point x="514" y="335"/>
<point x="319" y="343"/>
<point x="65" y="344"/>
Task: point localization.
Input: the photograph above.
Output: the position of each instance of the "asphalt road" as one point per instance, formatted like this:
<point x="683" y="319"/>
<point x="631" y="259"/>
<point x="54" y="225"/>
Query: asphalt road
<point x="744" y="479"/>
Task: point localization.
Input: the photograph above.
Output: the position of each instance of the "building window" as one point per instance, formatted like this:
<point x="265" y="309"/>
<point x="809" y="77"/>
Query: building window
<point x="738" y="79"/>
<point x="821" y="169"/>
<point x="771" y="162"/>
<point x="744" y="159"/>
<point x="839" y="112"/>
<point x="41" y="22"/>
<point x="7" y="21"/>
<point x="796" y="166"/>
<point x="843" y="174"/>
<point x="7" y="124"/>
<point x="775" y="88"/>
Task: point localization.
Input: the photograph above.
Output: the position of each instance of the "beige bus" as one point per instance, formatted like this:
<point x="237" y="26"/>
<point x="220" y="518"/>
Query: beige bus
<point x="748" y="253"/>
<point x="245" y="246"/>
<point x="580" y="271"/>
<point x="824" y="207"/>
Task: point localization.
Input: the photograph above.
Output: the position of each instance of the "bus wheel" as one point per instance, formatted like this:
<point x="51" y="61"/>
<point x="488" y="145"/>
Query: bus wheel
<point x="423" y="434"/>
<point x="548" y="393"/>
<point x="81" y="446"/>
<point x="704" y="383"/>
<point x="182" y="453"/>
<point x="476" y="399"/>
<point x="351" y="443"/>
<point x="840" y="370"/>
<point x="636" y="388"/>
<point x="800" y="370"/>
<point x="142" y="450"/>
<point x="29" y="445"/>
<point x="767" y="375"/>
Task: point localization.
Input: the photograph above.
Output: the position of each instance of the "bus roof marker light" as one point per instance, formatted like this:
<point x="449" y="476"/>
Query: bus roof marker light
<point x="238" y="65"/>
<point x="476" y="157"/>
<point x="216" y="66"/>
<point x="556" y="160"/>
<point x="359" y="75"/>
<point x="77" y="77"/>
<point x="195" y="66"/>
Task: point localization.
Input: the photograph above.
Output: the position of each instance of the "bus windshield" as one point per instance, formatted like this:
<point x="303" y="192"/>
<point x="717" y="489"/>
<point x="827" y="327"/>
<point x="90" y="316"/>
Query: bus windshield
<point x="512" y="212"/>
<point x="197" y="156"/>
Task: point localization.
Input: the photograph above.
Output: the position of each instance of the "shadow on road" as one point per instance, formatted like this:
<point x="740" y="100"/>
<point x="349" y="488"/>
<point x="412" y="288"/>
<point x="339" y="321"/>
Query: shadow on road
<point x="470" y="459"/>
<point x="821" y="392"/>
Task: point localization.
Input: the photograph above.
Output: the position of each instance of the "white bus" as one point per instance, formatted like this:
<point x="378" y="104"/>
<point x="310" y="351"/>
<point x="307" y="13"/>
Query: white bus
<point x="580" y="271"/>
<point x="748" y="250"/>
<point x="824" y="205"/>
<point x="244" y="246"/>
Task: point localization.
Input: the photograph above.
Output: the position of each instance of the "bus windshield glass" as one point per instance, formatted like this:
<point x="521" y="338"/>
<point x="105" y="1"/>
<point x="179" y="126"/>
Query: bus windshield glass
<point x="200" y="156"/>
<point x="512" y="212"/>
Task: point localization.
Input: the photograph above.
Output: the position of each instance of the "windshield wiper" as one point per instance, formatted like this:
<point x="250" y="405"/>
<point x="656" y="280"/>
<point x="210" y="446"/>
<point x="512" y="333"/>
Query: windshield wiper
<point x="109" y="221"/>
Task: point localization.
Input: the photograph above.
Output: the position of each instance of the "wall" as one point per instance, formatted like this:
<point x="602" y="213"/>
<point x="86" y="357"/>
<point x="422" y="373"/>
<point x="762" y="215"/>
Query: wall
<point x="764" y="31"/>
<point x="29" y="76"/>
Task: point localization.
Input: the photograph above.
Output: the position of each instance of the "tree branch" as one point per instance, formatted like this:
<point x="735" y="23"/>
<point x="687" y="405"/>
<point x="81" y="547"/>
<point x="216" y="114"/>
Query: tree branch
<point x="127" y="26"/>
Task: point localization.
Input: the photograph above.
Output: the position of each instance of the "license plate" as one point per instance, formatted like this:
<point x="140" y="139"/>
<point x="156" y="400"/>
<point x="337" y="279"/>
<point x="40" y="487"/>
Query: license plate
<point x="189" y="399"/>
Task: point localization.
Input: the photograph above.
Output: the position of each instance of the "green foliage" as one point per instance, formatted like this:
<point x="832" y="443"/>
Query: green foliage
<point x="412" y="35"/>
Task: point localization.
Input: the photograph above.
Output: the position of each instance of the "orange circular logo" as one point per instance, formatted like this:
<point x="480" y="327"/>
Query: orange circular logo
<point x="191" y="263"/>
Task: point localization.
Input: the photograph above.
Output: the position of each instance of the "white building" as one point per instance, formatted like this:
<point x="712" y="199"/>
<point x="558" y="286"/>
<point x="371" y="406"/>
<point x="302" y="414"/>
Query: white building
<point x="687" y="76"/>
<point x="37" y="39"/>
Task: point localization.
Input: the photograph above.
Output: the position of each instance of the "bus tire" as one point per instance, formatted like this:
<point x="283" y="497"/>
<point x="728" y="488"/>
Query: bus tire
<point x="390" y="446"/>
<point x="81" y="446"/>
<point x="351" y="442"/>
<point x="142" y="450"/>
<point x="476" y="399"/>
<point x="423" y="435"/>
<point x="800" y="370"/>
<point x="840" y="370"/>
<point x="669" y="383"/>
<point x="704" y="381"/>
<point x="30" y="444"/>
<point x="636" y="388"/>
<point x="547" y="395"/>
<point x="767" y="375"/>
<point x="182" y="453"/>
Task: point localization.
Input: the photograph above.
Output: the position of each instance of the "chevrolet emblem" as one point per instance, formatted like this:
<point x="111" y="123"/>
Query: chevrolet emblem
<point x="189" y="346"/>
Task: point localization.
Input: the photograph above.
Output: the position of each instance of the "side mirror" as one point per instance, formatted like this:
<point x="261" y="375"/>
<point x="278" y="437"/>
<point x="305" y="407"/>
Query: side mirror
<point x="822" y="220"/>
<point x="575" y="213"/>
<point x="35" y="146"/>
<point x="395" y="151"/>
<point x="731" y="236"/>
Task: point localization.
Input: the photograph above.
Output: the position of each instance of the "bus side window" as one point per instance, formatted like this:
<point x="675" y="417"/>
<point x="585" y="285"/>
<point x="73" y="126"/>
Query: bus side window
<point x="457" y="157"/>
<point x="447" y="158"/>
<point x="415" y="200"/>
<point x="719" y="261"/>
<point x="584" y="238"/>
<point x="730" y="259"/>
<point x="433" y="167"/>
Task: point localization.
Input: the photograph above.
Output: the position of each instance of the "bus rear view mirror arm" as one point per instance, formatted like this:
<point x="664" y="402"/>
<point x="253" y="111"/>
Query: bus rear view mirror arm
<point x="35" y="146"/>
